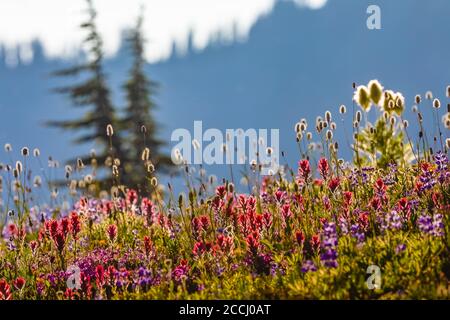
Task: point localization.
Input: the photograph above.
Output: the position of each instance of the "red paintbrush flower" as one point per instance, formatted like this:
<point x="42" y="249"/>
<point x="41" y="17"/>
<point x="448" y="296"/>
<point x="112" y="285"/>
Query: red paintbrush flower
<point x="267" y="220"/>
<point x="147" y="210"/>
<point x="253" y="243"/>
<point x="65" y="225"/>
<point x="204" y="222"/>
<point x="380" y="187"/>
<point x="100" y="275"/>
<point x="75" y="224"/>
<point x="196" y="227"/>
<point x="323" y="168"/>
<point x="318" y="182"/>
<point x="315" y="242"/>
<point x="225" y="243"/>
<point x="132" y="197"/>
<point x="404" y="207"/>
<point x="286" y="211"/>
<point x="147" y="245"/>
<point x="363" y="220"/>
<point x="19" y="283"/>
<point x="299" y="237"/>
<point x="70" y="294"/>
<point x="33" y="245"/>
<point x="348" y="198"/>
<point x="304" y="169"/>
<point x="86" y="287"/>
<point x="60" y="240"/>
<point x="52" y="228"/>
<point x="13" y="231"/>
<point x="221" y="191"/>
<point x="5" y="290"/>
<point x="111" y="231"/>
<point x="201" y="247"/>
<point x="280" y="196"/>
<point x="334" y="184"/>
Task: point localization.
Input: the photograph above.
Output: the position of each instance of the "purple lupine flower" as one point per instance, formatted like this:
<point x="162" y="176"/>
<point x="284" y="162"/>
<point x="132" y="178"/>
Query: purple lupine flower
<point x="357" y="232"/>
<point x="40" y="286"/>
<point x="343" y="225"/>
<point x="181" y="271"/>
<point x="441" y="161"/>
<point x="392" y="221"/>
<point x="353" y="177"/>
<point x="389" y="179"/>
<point x="400" y="248"/>
<point x="267" y="198"/>
<point x="141" y="271"/>
<point x="432" y="225"/>
<point x="414" y="204"/>
<point x="425" y="224"/>
<point x="427" y="180"/>
<point x="329" y="245"/>
<point x="220" y="270"/>
<point x="396" y="220"/>
<point x="308" y="265"/>
<point x="438" y="225"/>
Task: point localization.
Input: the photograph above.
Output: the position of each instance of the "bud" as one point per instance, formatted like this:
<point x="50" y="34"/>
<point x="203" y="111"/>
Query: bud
<point x="392" y="120"/>
<point x="19" y="166"/>
<point x="328" y="116"/>
<point x="418" y="99"/>
<point x="8" y="147"/>
<point x="362" y="97"/>
<point x="109" y="130"/>
<point x="80" y="164"/>
<point x="376" y="91"/>
<point x="436" y="103"/>
<point x="25" y="152"/>
<point x="115" y="171"/>
<point x="333" y="125"/>
<point x="329" y="135"/>
<point x="145" y="154"/>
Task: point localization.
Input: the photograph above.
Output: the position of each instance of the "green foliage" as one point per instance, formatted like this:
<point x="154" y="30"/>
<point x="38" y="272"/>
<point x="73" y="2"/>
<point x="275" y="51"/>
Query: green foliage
<point x="381" y="145"/>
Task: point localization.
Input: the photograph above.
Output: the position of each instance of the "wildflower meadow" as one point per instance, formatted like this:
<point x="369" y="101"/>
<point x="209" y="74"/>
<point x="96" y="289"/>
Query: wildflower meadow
<point x="374" y="225"/>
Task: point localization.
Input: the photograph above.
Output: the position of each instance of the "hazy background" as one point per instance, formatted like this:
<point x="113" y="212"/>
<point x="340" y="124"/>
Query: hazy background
<point x="231" y="64"/>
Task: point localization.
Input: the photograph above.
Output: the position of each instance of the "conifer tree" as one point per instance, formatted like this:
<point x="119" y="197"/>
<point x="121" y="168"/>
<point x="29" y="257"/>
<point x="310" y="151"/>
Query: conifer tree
<point x="94" y="95"/>
<point x="138" y="120"/>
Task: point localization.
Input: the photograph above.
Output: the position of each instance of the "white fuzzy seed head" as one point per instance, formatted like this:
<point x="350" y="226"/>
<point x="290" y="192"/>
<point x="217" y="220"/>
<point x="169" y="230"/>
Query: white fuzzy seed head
<point x="109" y="130"/>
